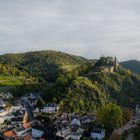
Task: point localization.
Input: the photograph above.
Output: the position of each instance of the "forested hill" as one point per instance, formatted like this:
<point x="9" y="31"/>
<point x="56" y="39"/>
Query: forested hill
<point x="49" y="57"/>
<point x="44" y="64"/>
<point x="133" y="65"/>
<point x="75" y="83"/>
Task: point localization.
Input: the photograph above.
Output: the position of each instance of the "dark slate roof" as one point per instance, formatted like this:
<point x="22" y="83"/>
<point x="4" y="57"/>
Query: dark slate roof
<point x="19" y="129"/>
<point x="97" y="129"/>
<point x="2" y="108"/>
<point x="51" y="105"/>
<point x="48" y="129"/>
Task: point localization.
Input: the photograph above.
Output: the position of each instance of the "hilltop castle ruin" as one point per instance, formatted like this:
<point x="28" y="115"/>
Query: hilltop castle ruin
<point x="106" y="64"/>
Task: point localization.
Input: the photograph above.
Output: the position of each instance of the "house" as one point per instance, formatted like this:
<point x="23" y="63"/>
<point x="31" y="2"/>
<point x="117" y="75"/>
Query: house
<point x="76" y="121"/>
<point x="43" y="131"/>
<point x="28" y="137"/>
<point x="6" y="95"/>
<point x="86" y="119"/>
<point x="76" y="135"/>
<point x="36" y="110"/>
<point x="27" y="125"/>
<point x="2" y="103"/>
<point x="3" y="127"/>
<point x="32" y="101"/>
<point x="37" y="132"/>
<point x="2" y="119"/>
<point x="50" y="108"/>
<point x="10" y="134"/>
<point x="17" y="133"/>
<point x="64" y="133"/>
<point x="2" y="109"/>
<point x="15" y="107"/>
<point x="21" y="131"/>
<point x="98" y="133"/>
<point x="17" y="119"/>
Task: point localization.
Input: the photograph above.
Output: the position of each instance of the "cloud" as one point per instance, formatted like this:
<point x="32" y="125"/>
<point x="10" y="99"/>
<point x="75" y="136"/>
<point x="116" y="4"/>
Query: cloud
<point x="82" y="27"/>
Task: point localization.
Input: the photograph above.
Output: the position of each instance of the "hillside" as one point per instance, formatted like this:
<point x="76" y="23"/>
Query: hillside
<point x="94" y="89"/>
<point x="16" y="81"/>
<point x="45" y="64"/>
<point x="133" y="65"/>
<point x="77" y="84"/>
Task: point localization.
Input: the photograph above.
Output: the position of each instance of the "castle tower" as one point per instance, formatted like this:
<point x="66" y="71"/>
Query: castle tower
<point x="115" y="64"/>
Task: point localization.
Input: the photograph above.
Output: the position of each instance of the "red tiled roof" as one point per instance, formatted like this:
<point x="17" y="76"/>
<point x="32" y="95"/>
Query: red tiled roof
<point x="28" y="137"/>
<point x="10" y="134"/>
<point x="27" y="125"/>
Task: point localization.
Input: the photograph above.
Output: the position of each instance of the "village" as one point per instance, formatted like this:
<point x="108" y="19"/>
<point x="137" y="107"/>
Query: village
<point x="25" y="120"/>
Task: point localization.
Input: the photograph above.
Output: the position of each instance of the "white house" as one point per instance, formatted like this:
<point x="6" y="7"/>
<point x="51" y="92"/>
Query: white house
<point x="50" y="108"/>
<point x="64" y="133"/>
<point x="20" y="131"/>
<point x="16" y="108"/>
<point x="98" y="133"/>
<point x="77" y="135"/>
<point x="36" y="110"/>
<point x="76" y="121"/>
<point x="2" y="119"/>
<point x="2" y="103"/>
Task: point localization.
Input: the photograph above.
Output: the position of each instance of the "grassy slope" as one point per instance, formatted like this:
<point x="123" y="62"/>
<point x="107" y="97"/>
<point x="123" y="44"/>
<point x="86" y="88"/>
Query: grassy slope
<point x="17" y="84"/>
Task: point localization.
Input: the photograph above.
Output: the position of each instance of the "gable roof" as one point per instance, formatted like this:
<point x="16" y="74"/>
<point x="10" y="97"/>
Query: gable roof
<point x="28" y="137"/>
<point x="10" y="134"/>
<point x="27" y="125"/>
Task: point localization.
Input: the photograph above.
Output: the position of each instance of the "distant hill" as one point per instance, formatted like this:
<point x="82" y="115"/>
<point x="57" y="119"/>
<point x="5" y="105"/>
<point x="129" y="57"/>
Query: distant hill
<point x="45" y="64"/>
<point x="50" y="57"/>
<point x="133" y="65"/>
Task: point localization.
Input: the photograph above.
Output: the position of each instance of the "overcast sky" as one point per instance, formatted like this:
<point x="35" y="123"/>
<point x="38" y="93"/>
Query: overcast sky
<point x="82" y="27"/>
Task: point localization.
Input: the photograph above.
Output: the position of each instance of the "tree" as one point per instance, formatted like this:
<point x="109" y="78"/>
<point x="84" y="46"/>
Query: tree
<point x="110" y="116"/>
<point x="40" y="103"/>
<point x="62" y="80"/>
<point x="7" y="122"/>
<point x="8" y="103"/>
<point x="127" y="114"/>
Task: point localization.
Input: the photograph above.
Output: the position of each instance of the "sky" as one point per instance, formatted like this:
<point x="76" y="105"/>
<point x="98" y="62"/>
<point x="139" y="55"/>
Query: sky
<point x="89" y="28"/>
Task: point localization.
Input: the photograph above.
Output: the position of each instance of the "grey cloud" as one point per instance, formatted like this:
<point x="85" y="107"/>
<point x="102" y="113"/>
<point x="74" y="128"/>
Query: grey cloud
<point x="82" y="27"/>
